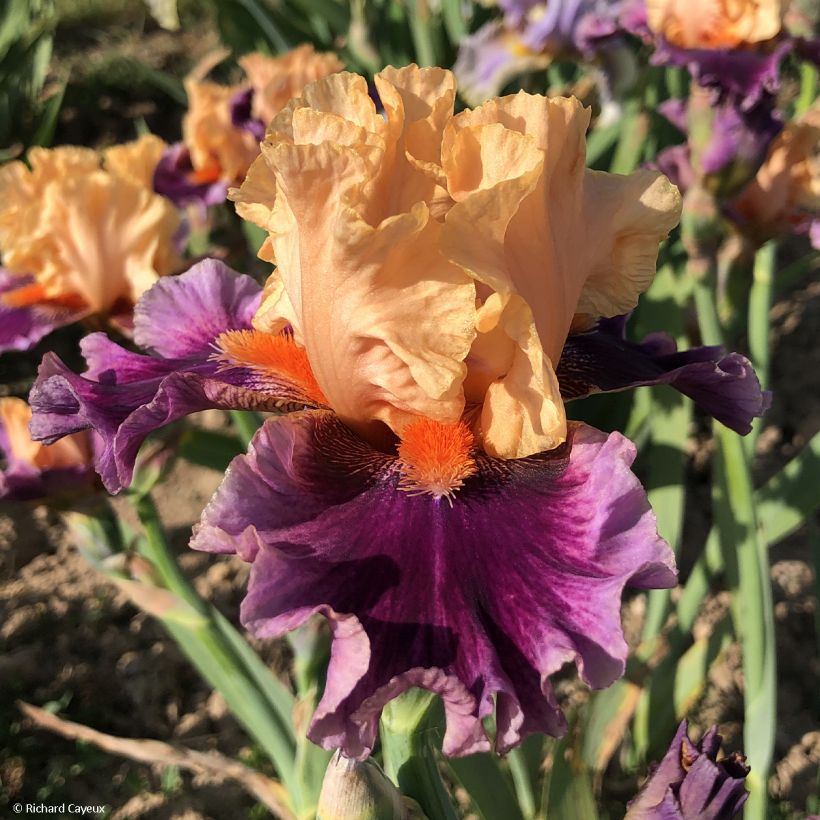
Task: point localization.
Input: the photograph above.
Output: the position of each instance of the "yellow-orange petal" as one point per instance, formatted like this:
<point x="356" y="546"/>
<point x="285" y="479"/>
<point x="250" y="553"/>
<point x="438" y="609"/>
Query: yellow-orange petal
<point x="135" y="161"/>
<point x="787" y="185"/>
<point x="626" y="219"/>
<point x="275" y="80"/>
<point x="208" y="131"/>
<point x="70" y="451"/>
<point x="436" y="458"/>
<point x="715" y="24"/>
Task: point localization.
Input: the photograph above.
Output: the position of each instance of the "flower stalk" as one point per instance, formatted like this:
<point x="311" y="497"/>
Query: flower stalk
<point x="407" y="728"/>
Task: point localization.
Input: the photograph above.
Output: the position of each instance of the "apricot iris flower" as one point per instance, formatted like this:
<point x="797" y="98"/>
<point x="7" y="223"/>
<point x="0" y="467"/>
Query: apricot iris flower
<point x="440" y="279"/>
<point x="80" y="234"/>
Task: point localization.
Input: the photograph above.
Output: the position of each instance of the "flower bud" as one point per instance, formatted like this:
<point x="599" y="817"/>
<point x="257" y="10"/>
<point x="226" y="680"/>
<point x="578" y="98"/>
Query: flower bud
<point x="360" y="790"/>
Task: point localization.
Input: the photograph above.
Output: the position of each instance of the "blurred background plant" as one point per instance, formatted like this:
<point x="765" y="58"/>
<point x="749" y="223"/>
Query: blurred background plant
<point x="739" y="513"/>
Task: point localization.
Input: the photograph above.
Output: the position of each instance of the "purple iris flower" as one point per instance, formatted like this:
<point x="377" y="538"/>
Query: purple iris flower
<point x="531" y="34"/>
<point x="411" y="583"/>
<point x="737" y="142"/>
<point x="691" y="783"/>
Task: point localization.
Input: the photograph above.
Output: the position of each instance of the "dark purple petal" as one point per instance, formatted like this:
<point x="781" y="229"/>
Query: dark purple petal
<point x="479" y="600"/>
<point x="181" y="316"/>
<point x="691" y="783"/>
<point x="746" y="73"/>
<point x="22" y="327"/>
<point x="602" y="361"/>
<point x="174" y="178"/>
<point x="125" y="413"/>
<point x="241" y="106"/>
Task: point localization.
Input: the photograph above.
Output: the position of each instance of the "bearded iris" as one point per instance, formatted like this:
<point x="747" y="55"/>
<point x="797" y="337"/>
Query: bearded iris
<point x="80" y="234"/>
<point x="427" y="494"/>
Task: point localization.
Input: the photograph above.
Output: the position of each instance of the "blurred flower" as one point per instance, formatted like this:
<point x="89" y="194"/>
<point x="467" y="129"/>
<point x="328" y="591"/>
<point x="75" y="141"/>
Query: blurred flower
<point x="429" y="270"/>
<point x="690" y="783"/>
<point x="533" y="34"/>
<point x="224" y="123"/>
<point x="784" y="197"/>
<point x="35" y="471"/>
<point x="714" y="24"/>
<point x="276" y="80"/>
<point x="79" y="238"/>
<point x="735" y="47"/>
<point x="725" y="144"/>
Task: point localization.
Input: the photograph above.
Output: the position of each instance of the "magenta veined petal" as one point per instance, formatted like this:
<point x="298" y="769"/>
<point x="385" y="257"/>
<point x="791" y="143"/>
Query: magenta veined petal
<point x="479" y="601"/>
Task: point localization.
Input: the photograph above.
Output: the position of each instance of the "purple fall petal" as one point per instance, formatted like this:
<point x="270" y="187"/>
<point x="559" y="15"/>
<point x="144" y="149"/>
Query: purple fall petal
<point x="746" y="74"/>
<point x="479" y="601"/>
<point x="21" y="328"/>
<point x="691" y="784"/>
<point x="173" y="178"/>
<point x="602" y="360"/>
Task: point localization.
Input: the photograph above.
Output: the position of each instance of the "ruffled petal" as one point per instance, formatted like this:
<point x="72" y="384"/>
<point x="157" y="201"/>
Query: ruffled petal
<point x="479" y="600"/>
<point x="530" y="221"/>
<point x="602" y="361"/>
<point x="385" y="319"/>
<point x="182" y="316"/>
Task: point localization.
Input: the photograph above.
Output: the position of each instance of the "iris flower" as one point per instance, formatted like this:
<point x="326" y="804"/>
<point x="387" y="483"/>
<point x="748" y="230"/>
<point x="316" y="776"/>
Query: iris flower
<point x="34" y="471"/>
<point x="80" y="235"/>
<point x="532" y="34"/>
<point x="690" y="782"/>
<point x="224" y="123"/>
<point x="735" y="47"/>
<point x="420" y="486"/>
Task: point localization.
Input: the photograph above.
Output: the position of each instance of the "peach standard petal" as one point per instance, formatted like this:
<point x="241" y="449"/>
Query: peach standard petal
<point x="550" y="239"/>
<point x="135" y="161"/>
<point x="90" y="237"/>
<point x="715" y="24"/>
<point x="787" y="186"/>
<point x="348" y="198"/>
<point x="275" y="80"/>
<point x="432" y="263"/>
<point x="219" y="150"/>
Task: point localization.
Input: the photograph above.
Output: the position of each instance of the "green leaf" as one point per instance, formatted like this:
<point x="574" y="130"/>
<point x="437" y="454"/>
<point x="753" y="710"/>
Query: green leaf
<point x="568" y="786"/>
<point x="489" y="787"/>
<point x="209" y="448"/>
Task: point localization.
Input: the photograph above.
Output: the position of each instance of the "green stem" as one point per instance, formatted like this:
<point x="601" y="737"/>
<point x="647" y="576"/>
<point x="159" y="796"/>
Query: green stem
<point x="760" y="301"/>
<point x="418" y="13"/>
<point x="746" y="562"/>
<point x="409" y="756"/>
<point x="808" y="89"/>
<point x="210" y="643"/>
<point x="752" y="612"/>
